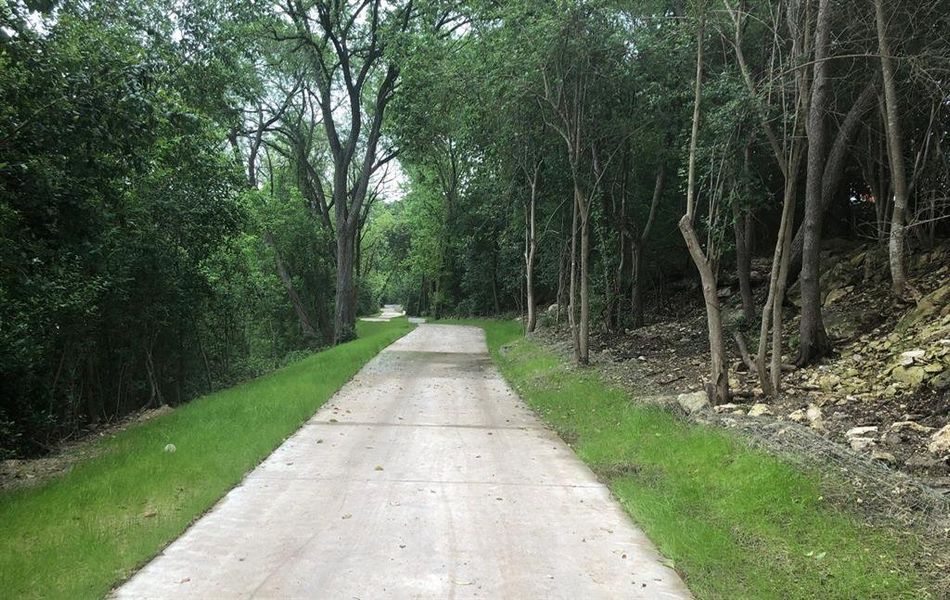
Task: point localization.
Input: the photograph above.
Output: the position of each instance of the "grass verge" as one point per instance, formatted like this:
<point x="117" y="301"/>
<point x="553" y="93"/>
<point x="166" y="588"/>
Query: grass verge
<point x="79" y="534"/>
<point x="734" y="521"/>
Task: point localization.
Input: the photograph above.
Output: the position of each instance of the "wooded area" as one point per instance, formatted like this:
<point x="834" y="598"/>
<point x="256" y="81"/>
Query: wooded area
<point x="194" y="193"/>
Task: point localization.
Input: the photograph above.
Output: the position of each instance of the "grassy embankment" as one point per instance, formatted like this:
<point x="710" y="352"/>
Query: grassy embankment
<point x="735" y="522"/>
<point x="77" y="535"/>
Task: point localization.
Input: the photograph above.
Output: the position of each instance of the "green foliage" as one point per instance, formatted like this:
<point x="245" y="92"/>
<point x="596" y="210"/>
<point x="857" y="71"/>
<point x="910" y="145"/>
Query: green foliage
<point x="132" y="268"/>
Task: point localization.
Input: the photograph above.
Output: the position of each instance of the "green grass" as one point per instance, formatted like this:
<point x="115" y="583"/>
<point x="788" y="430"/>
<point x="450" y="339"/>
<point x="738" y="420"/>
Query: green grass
<point x="735" y="522"/>
<point x="79" y="534"/>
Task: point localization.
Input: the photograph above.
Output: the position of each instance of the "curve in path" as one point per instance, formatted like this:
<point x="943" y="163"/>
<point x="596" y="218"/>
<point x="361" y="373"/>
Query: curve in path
<point x="424" y="477"/>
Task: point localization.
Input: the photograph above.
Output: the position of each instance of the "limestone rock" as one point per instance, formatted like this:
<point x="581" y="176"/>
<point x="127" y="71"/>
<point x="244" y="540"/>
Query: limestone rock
<point x="759" y="410"/>
<point x="829" y="382"/>
<point x="861" y="443"/>
<point x="911" y="356"/>
<point x="693" y="402"/>
<point x="855" y="432"/>
<point x="720" y="408"/>
<point x="798" y="415"/>
<point x="912" y="376"/>
<point x="813" y="414"/>
<point x="899" y="426"/>
<point x="883" y="456"/>
<point x="940" y="441"/>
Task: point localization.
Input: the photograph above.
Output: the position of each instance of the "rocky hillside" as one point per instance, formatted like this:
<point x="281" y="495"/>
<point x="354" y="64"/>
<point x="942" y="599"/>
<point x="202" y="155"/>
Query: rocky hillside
<point x="883" y="395"/>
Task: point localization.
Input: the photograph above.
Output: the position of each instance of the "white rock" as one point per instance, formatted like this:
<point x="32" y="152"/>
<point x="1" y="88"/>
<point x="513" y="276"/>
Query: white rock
<point x="813" y="414"/>
<point x="759" y="410"/>
<point x="798" y="416"/>
<point x="693" y="401"/>
<point x="170" y="448"/>
<point x="861" y="443"/>
<point x="940" y="441"/>
<point x="899" y="426"/>
<point x="911" y="356"/>
<point x="719" y="408"/>
<point x="860" y="431"/>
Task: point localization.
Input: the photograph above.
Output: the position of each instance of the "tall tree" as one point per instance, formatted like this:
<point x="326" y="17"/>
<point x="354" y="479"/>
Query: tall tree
<point x="346" y="45"/>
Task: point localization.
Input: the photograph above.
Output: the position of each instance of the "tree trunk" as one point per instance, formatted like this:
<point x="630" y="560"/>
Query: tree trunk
<point x="718" y="387"/>
<point x="572" y="288"/>
<point x="636" y="292"/>
<point x="344" y="318"/>
<point x="813" y="340"/>
<point x="300" y="309"/>
<point x="531" y="245"/>
<point x="772" y="311"/>
<point x="741" y="226"/>
<point x="895" y="157"/>
<point x="834" y="166"/>
<point x="562" y="274"/>
<point x="584" y="329"/>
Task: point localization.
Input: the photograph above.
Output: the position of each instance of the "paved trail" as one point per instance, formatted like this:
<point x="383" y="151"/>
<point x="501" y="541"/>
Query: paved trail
<point x="424" y="477"/>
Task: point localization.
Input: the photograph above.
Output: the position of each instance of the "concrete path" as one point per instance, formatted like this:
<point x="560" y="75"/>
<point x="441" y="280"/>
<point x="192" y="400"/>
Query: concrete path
<point x="389" y="311"/>
<point x="424" y="477"/>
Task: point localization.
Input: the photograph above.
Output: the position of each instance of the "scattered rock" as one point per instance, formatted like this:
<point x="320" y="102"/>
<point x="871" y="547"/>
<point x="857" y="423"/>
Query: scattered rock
<point x="911" y="356"/>
<point x="884" y="457"/>
<point x="721" y="408"/>
<point x="829" y="382"/>
<point x="859" y="444"/>
<point x="693" y="402"/>
<point x="899" y="426"/>
<point x="797" y="416"/>
<point x="912" y="376"/>
<point x="759" y="410"/>
<point x="941" y="381"/>
<point x="860" y="431"/>
<point x="813" y="414"/>
<point x="940" y="441"/>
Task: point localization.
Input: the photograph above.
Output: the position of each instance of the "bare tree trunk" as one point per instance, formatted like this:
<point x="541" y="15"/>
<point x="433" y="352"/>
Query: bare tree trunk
<point x="636" y="290"/>
<point x="562" y="298"/>
<point x="639" y="242"/>
<point x="895" y="157"/>
<point x="741" y="226"/>
<point x="572" y="288"/>
<point x="718" y="387"/>
<point x="742" y="229"/>
<point x="834" y="166"/>
<point x="584" y="329"/>
<point x="813" y="340"/>
<point x="300" y="309"/>
<point x="531" y="245"/>
<point x="772" y="311"/>
<point x="344" y="321"/>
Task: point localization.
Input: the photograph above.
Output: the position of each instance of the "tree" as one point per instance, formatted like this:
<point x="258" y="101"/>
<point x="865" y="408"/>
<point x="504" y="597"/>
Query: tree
<point x="346" y="47"/>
